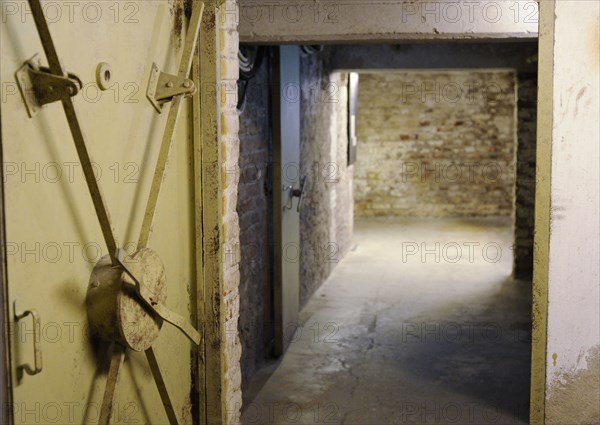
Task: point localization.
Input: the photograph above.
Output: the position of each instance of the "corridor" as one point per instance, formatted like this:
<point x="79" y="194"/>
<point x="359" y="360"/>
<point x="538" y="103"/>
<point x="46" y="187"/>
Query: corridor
<point x="419" y="324"/>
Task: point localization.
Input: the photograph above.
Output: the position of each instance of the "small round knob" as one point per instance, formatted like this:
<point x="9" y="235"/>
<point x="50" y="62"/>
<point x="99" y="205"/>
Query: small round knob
<point x="104" y="75"/>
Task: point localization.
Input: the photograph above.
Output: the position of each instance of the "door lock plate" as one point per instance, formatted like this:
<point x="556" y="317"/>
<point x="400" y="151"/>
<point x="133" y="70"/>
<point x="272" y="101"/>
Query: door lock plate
<point x="163" y="87"/>
<point x="39" y="86"/>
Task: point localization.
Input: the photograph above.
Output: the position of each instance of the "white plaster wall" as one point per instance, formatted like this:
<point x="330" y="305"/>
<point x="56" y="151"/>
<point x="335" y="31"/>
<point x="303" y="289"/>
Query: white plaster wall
<point x="573" y="286"/>
<point x="328" y="21"/>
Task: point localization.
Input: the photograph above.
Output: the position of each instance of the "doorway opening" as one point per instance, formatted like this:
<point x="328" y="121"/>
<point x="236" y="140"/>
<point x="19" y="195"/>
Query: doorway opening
<point x="415" y="249"/>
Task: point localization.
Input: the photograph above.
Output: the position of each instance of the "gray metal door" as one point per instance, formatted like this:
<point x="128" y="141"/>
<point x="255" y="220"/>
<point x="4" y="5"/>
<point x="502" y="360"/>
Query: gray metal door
<point x="287" y="193"/>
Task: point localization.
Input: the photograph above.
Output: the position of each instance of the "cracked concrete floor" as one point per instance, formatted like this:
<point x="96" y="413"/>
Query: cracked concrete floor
<point x="397" y="337"/>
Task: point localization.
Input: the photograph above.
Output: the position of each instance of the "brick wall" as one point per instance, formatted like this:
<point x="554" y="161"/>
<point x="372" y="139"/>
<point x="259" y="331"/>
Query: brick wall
<point x="230" y="394"/>
<point x="525" y="187"/>
<point x="326" y="214"/>
<point x="434" y="144"/>
<point x="254" y="207"/>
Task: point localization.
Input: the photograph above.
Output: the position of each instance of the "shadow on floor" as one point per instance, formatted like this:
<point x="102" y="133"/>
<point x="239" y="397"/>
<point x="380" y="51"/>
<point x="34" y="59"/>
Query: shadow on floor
<point x="482" y="351"/>
<point x="397" y="339"/>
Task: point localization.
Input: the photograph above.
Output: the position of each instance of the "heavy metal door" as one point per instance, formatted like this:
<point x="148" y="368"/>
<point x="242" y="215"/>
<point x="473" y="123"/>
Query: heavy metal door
<point x="87" y="292"/>
<point x="288" y="185"/>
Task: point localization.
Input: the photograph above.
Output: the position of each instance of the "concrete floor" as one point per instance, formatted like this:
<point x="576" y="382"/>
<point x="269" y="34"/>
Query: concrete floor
<point x="393" y="338"/>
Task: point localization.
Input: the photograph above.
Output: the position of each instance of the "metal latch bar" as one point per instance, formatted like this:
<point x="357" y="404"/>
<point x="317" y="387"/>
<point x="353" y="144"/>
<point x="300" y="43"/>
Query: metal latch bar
<point x="163" y="87"/>
<point x="39" y="86"/>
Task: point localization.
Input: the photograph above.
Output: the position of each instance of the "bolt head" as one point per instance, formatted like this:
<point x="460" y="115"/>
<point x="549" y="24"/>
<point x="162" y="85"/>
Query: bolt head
<point x="187" y="84"/>
<point x="169" y="84"/>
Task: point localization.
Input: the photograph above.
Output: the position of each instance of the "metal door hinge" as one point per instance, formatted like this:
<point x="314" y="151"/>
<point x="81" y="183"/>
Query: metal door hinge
<point x="163" y="87"/>
<point x="39" y="86"/>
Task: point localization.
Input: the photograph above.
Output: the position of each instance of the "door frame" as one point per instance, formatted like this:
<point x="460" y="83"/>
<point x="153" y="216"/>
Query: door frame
<point x="5" y="379"/>
<point x="210" y="373"/>
<point x="543" y="161"/>
<point x="210" y="304"/>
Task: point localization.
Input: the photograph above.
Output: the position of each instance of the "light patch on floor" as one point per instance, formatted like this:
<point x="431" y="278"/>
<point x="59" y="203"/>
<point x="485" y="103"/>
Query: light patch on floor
<point x="419" y="324"/>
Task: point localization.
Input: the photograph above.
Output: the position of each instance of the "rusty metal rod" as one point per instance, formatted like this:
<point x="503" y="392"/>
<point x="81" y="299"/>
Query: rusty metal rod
<point x="162" y="388"/>
<point x="117" y="356"/>
<point x="167" y="140"/>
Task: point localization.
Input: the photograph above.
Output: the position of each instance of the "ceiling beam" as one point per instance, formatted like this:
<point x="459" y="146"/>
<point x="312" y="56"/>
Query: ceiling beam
<point x="380" y="57"/>
<point x="348" y="21"/>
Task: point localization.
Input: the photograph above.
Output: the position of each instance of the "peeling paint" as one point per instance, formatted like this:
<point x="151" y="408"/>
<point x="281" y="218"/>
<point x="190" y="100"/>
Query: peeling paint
<point x="573" y="395"/>
<point x="177" y="11"/>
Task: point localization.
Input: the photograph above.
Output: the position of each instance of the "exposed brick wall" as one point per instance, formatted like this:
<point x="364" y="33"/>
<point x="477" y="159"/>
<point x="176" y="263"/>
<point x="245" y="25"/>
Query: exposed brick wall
<point x="254" y="209"/>
<point x="231" y="394"/>
<point x="434" y="144"/>
<point x="326" y="212"/>
<point x="525" y="187"/>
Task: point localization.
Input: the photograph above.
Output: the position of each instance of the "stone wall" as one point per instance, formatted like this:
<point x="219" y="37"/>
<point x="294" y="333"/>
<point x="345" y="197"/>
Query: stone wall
<point x="326" y="214"/>
<point x="226" y="301"/>
<point x="254" y="206"/>
<point x="525" y="187"/>
<point x="435" y="144"/>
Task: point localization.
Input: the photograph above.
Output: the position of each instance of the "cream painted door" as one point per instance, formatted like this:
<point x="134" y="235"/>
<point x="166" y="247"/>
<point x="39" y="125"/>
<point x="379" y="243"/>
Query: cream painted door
<point x="53" y="238"/>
